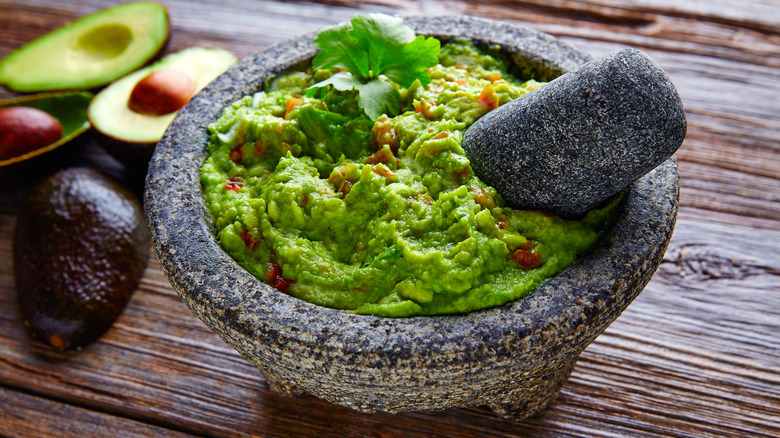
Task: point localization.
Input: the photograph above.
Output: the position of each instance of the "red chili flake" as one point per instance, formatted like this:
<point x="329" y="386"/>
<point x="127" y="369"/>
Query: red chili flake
<point x="381" y="156"/>
<point x="383" y="133"/>
<point x="461" y="174"/>
<point x="274" y="276"/>
<point x="382" y="170"/>
<point x="237" y="153"/>
<point x="249" y="241"/>
<point x="304" y="200"/>
<point x="346" y="186"/>
<point x="441" y="135"/>
<point x="527" y="259"/>
<point x="234" y="184"/>
<point x="340" y="182"/>
<point x="488" y="97"/>
<point x="528" y="245"/>
<point x="482" y="197"/>
<point x="502" y="225"/>
<point x="424" y="107"/>
<point x="336" y="177"/>
<point x="291" y="104"/>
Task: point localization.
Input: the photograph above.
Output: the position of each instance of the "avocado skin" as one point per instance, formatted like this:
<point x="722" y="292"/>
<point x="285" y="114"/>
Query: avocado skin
<point x="80" y="248"/>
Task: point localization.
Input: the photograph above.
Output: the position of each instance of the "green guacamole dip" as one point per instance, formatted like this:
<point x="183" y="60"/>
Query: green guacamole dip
<point x="381" y="217"/>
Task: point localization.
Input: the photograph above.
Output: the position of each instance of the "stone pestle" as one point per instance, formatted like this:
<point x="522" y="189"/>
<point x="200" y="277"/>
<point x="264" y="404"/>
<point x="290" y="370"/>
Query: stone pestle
<point x="580" y="139"/>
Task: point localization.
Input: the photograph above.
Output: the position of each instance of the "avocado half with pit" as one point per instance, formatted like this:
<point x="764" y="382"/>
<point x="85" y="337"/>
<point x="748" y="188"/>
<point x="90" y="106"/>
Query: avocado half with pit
<point x="131" y="115"/>
<point x="35" y="124"/>
<point x="89" y="52"/>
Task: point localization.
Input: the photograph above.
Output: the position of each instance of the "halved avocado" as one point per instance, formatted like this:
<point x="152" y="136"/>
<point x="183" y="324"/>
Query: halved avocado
<point x="68" y="108"/>
<point x="89" y="52"/>
<point x="130" y="136"/>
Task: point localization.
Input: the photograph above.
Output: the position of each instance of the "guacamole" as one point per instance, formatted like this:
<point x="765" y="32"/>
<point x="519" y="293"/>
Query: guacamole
<point x="382" y="217"/>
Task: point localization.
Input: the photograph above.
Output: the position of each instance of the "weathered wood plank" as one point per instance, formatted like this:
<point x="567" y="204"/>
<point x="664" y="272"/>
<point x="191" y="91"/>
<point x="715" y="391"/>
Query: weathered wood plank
<point x="24" y="415"/>
<point x="695" y="355"/>
<point x="677" y="362"/>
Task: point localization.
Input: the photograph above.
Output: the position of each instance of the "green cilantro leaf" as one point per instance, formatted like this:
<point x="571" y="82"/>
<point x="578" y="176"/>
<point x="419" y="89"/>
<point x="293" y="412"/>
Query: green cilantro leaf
<point x="415" y="57"/>
<point x="340" y="51"/>
<point x="370" y="49"/>
<point x="375" y="97"/>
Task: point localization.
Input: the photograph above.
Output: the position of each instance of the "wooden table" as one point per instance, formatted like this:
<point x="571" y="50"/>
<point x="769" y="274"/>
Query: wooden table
<point x="697" y="354"/>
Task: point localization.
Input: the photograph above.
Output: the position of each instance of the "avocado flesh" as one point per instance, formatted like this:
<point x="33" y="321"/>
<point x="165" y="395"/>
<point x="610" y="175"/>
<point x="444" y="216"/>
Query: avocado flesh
<point x="80" y="248"/>
<point x="109" y="111"/>
<point x="89" y="52"/>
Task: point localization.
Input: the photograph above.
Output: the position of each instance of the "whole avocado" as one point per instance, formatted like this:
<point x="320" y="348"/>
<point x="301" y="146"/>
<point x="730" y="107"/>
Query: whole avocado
<point x="80" y="248"/>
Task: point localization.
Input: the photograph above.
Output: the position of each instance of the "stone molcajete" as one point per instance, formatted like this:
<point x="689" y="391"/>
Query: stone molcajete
<point x="513" y="358"/>
<point x="582" y="138"/>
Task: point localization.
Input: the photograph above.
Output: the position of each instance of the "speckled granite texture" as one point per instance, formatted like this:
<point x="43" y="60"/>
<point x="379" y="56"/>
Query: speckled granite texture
<point x="513" y="358"/>
<point x="582" y="138"/>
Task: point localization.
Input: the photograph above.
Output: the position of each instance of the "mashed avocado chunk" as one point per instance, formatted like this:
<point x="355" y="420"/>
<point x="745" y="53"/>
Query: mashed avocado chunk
<point x="386" y="216"/>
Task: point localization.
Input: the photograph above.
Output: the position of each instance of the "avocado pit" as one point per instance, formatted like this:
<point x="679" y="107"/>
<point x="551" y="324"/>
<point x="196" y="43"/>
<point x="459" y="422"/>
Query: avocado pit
<point x="161" y="92"/>
<point x="25" y="129"/>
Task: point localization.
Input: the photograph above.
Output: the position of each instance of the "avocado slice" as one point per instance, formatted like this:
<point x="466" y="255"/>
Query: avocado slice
<point x="89" y="52"/>
<point x="130" y="135"/>
<point x="68" y="108"/>
<point x="80" y="248"/>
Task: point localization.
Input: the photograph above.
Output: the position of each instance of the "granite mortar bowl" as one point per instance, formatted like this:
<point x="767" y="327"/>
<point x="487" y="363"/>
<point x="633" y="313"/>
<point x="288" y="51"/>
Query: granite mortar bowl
<point x="513" y="358"/>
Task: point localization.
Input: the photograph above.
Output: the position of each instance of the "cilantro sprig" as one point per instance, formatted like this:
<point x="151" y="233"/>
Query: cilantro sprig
<point x="375" y="51"/>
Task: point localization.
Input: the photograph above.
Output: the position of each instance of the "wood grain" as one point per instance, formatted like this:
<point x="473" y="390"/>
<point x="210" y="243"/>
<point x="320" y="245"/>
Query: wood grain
<point x="28" y="415"/>
<point x="677" y="358"/>
<point x="697" y="354"/>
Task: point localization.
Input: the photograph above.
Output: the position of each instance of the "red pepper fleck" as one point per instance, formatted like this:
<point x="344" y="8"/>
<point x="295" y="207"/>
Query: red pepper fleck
<point x="482" y="197"/>
<point x="274" y="276"/>
<point x="461" y="174"/>
<point x="502" y="225"/>
<point x="234" y="184"/>
<point x="528" y="246"/>
<point x="488" y="97"/>
<point x="382" y="170"/>
<point x="527" y="259"/>
<point x="290" y="105"/>
<point x="237" y="153"/>
<point x="346" y="186"/>
<point x="249" y="241"/>
<point x="381" y="156"/>
<point x="425" y="108"/>
<point x="383" y="133"/>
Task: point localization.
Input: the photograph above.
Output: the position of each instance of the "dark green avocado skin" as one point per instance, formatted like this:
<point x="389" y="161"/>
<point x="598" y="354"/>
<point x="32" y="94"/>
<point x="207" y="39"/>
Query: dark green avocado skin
<point x="80" y="248"/>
